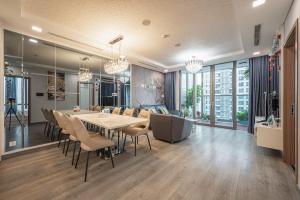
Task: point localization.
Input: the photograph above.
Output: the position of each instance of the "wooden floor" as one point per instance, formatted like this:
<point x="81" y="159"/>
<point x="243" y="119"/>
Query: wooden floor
<point x="213" y="163"/>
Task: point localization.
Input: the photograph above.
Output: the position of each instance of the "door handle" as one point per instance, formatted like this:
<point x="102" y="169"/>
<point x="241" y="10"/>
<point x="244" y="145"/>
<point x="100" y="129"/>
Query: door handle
<point x="292" y="109"/>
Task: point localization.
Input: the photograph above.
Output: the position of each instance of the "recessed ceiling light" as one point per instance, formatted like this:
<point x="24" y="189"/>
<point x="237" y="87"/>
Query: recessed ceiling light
<point x="257" y="3"/>
<point x="256" y="53"/>
<point x="33" y="40"/>
<point x="166" y="36"/>
<point x="177" y="45"/>
<point x="146" y="22"/>
<point x="165" y="70"/>
<point x="37" y="29"/>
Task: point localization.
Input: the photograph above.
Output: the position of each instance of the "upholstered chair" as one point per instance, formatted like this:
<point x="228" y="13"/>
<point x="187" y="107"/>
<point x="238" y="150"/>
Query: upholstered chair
<point x="128" y="112"/>
<point x="116" y="111"/>
<point x="89" y="143"/>
<point x="138" y="130"/>
<point x="44" y="112"/>
<point x="62" y="127"/>
<point x="72" y="136"/>
<point x="97" y="108"/>
<point x="53" y="124"/>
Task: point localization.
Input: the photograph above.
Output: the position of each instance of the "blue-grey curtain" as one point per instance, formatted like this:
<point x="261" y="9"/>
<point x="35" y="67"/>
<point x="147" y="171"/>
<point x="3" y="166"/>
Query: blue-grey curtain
<point x="258" y="87"/>
<point x="170" y="81"/>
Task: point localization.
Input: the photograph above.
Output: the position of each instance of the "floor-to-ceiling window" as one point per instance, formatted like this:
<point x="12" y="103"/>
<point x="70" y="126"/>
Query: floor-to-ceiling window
<point x="223" y="94"/>
<point x="218" y="96"/>
<point x="187" y="93"/>
<point x="242" y="93"/>
<point x="202" y="98"/>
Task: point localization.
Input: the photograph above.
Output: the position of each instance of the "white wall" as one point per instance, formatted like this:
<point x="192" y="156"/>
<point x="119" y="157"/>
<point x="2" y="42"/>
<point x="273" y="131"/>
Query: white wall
<point x="293" y="15"/>
<point x="1" y="90"/>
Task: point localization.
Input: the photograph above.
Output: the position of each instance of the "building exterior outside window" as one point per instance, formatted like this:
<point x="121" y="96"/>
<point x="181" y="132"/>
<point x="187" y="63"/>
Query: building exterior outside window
<point x="197" y="89"/>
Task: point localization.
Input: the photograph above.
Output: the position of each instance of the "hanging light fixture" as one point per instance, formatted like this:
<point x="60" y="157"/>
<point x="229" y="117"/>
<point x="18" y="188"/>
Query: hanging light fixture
<point x="117" y="65"/>
<point x="124" y="79"/>
<point x="194" y="65"/>
<point x="84" y="73"/>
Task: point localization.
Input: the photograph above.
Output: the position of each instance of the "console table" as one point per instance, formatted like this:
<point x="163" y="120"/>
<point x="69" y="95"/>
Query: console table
<point x="269" y="137"/>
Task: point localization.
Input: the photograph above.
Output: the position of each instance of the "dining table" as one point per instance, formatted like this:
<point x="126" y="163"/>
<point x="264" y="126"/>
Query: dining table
<point x="111" y="122"/>
<point x="80" y="112"/>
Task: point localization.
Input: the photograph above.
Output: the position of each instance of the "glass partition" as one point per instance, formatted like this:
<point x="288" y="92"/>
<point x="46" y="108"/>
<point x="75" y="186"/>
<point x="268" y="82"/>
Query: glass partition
<point x="187" y="93"/>
<point x="242" y="93"/>
<point x="203" y="96"/>
<point x="40" y="74"/>
<point x="212" y="92"/>
<point x="223" y="94"/>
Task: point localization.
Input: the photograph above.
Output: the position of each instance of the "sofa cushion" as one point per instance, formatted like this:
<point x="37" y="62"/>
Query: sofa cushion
<point x="163" y="110"/>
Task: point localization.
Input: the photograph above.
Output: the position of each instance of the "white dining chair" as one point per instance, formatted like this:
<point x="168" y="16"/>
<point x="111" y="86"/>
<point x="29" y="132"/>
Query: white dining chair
<point x="89" y="143"/>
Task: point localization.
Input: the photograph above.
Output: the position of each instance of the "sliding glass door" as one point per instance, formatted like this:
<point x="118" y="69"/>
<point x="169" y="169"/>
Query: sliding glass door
<point x="242" y="93"/>
<point x="223" y="94"/>
<point x="187" y="94"/>
<point x="218" y="96"/>
<point x="202" y="103"/>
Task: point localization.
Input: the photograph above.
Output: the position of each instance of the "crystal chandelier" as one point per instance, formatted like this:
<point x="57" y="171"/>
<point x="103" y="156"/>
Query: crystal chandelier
<point x="124" y="79"/>
<point x="84" y="73"/>
<point x="118" y="65"/>
<point x="194" y="65"/>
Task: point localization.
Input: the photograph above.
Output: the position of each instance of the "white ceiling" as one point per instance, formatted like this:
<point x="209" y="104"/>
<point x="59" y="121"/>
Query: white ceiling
<point x="214" y="30"/>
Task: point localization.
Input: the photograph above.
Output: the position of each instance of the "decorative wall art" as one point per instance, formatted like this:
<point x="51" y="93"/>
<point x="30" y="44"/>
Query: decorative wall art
<point x="60" y="86"/>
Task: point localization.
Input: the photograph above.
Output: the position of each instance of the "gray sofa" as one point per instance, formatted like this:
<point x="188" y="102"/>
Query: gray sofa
<point x="161" y="109"/>
<point x="170" y="128"/>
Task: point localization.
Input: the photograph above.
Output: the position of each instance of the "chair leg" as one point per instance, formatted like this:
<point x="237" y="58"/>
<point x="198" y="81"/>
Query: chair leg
<point x="67" y="148"/>
<point x="118" y="142"/>
<point x="132" y="139"/>
<point x="148" y="141"/>
<point x="124" y="142"/>
<point x="59" y="138"/>
<point x="65" y="140"/>
<point x="135" y="140"/>
<point x="87" y="165"/>
<point x="59" y="133"/>
<point x="49" y="130"/>
<point x="45" y="128"/>
<point x="111" y="157"/>
<point x="52" y="133"/>
<point x="74" y="152"/>
<point x="78" y="157"/>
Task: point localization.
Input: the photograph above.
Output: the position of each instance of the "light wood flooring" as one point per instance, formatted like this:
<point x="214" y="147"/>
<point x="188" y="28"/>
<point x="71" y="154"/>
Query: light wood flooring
<point x="212" y="163"/>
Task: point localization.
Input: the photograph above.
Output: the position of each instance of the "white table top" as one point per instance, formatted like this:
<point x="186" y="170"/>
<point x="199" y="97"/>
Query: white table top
<point x="111" y="121"/>
<point x="71" y="112"/>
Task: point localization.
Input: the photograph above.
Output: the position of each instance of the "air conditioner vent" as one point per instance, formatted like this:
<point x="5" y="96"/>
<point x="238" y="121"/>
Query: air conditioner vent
<point x="257" y="29"/>
<point x="116" y="40"/>
<point x="148" y="64"/>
